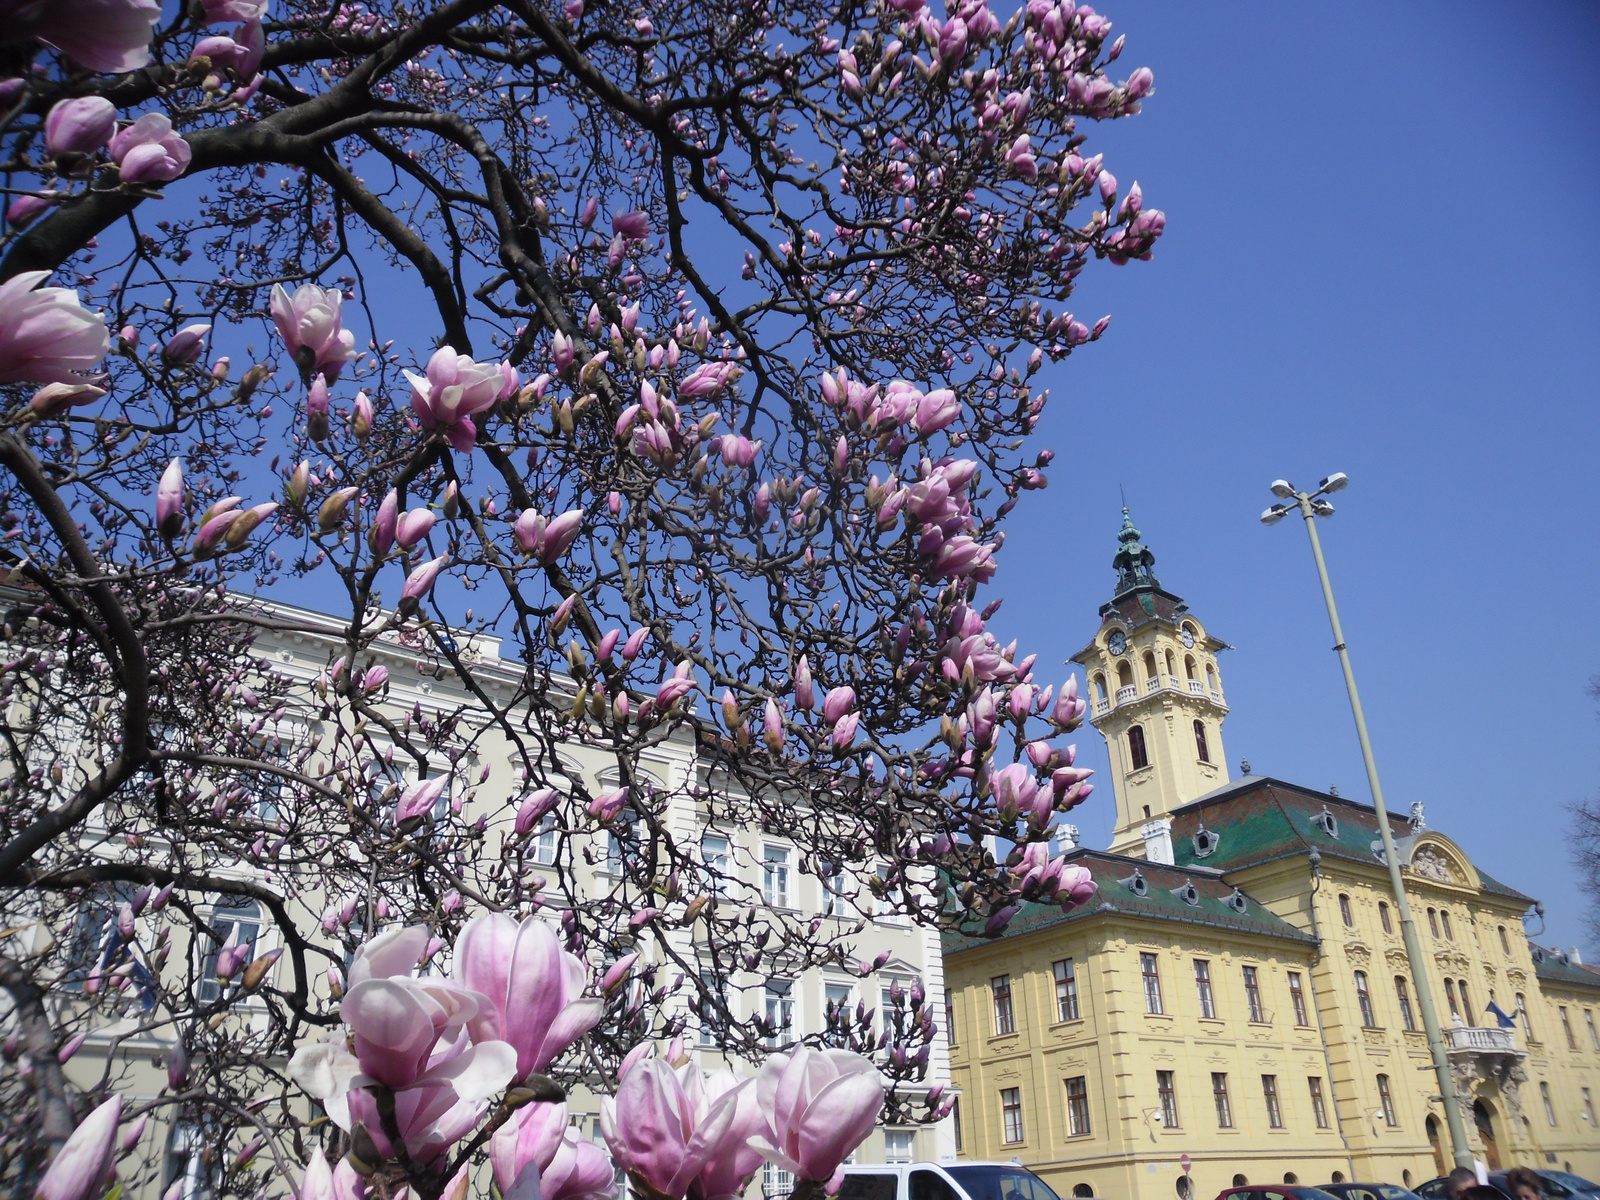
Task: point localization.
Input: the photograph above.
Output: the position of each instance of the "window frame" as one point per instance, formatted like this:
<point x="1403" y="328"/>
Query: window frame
<point x="1202" y="987"/>
<point x="1369" y="1017"/>
<point x="1297" y="1001"/>
<point x="1383" y="917"/>
<point x="1066" y="977"/>
<point x="1346" y="914"/>
<point x="1594" y="1034"/>
<point x="1444" y="921"/>
<point x="776" y="883"/>
<point x="1319" y="1107"/>
<point x="1391" y="1118"/>
<point x="1004" y="1006"/>
<point x="1079" y="1123"/>
<point x="1150" y="975"/>
<point x="1138" y="749"/>
<point x="1549" y="1103"/>
<point x="718" y="863"/>
<point x="1269" y="1094"/>
<point x="1167" y="1093"/>
<point x="1252" y="995"/>
<point x="1221" y="1100"/>
<point x="1402" y="994"/>
<point x="1011" y="1117"/>
<point x="778" y="1006"/>
<point x="1202" y="748"/>
<point x="1566" y="1027"/>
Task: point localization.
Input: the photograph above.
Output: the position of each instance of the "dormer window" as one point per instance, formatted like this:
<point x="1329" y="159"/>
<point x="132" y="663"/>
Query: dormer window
<point x="1237" y="902"/>
<point x="1188" y="893"/>
<point x="1327" y="822"/>
<point x="1137" y="884"/>
<point x="1205" y="842"/>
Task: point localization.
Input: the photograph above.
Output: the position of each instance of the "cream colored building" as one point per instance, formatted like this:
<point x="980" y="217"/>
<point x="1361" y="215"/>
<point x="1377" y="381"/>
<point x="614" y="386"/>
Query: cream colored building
<point x="758" y="870"/>
<point x="1238" y="992"/>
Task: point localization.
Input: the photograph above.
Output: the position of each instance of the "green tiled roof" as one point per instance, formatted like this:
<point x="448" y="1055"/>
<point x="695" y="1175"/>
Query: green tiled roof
<point x="1257" y="819"/>
<point x="1556" y="967"/>
<point x="1163" y="899"/>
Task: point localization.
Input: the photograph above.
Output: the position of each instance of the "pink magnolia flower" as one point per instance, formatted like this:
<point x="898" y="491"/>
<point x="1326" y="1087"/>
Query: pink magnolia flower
<point x="381" y="535"/>
<point x="150" y="151"/>
<point x="102" y="35"/>
<point x="819" y="1105"/>
<point x="838" y="701"/>
<point x="80" y="125"/>
<point x="535" y="986"/>
<point x="681" y="1132"/>
<point x="413" y="527"/>
<point x="418" y="799"/>
<point x="538" y="1139"/>
<point x="630" y="224"/>
<point x="218" y="11"/>
<point x="46" y="335"/>
<point x="187" y="345"/>
<point x="432" y="1042"/>
<point x="339" y="1183"/>
<point x="53" y="399"/>
<point x="420" y="582"/>
<point x="708" y="379"/>
<point x="83" y="1167"/>
<point x="454" y="389"/>
<point x="310" y="324"/>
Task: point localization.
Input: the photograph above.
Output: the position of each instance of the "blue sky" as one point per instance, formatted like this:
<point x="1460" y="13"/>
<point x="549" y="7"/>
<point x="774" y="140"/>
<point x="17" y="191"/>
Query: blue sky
<point x="1378" y="261"/>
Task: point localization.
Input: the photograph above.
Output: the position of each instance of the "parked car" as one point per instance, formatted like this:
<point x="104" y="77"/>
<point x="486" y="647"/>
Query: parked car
<point x="1564" y="1185"/>
<point x="943" y="1181"/>
<point x="1274" y="1191"/>
<point x="1368" y="1191"/>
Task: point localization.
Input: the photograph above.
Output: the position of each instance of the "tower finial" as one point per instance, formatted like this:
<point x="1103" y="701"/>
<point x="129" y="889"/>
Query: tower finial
<point x="1133" y="560"/>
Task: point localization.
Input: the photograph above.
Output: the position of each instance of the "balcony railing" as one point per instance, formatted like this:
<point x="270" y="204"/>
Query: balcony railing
<point x="1125" y="694"/>
<point x="1196" y="688"/>
<point x="1152" y="685"/>
<point x="1101" y="706"/>
<point x="1470" y="1038"/>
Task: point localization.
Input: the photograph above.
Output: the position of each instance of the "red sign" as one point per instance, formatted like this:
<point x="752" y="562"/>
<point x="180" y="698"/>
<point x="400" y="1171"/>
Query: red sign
<point x="1184" y="1161"/>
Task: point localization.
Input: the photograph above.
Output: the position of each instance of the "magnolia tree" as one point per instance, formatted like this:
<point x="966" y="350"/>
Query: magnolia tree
<point x="689" y="349"/>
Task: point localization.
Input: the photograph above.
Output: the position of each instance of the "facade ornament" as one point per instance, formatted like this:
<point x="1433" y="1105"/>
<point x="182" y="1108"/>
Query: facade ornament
<point x="1417" y="821"/>
<point x="1430" y="864"/>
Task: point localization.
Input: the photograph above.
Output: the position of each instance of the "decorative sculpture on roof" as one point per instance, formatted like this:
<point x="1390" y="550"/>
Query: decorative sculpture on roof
<point x="1417" y="818"/>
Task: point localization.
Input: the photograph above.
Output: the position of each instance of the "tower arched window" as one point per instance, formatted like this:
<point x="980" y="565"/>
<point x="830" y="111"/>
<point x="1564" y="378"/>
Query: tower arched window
<point x="1188" y="666"/>
<point x="1152" y="673"/>
<point x="1200" y="747"/>
<point x="1099" y="687"/>
<point x="1211" y="677"/>
<point x="1137" y="754"/>
<point x="1124" y="675"/>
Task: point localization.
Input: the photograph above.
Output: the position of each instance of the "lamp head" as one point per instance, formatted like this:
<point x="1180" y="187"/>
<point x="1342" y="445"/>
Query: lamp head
<point x="1273" y="515"/>
<point x="1322" y="508"/>
<point x="1336" y="482"/>
<point x="1282" y="489"/>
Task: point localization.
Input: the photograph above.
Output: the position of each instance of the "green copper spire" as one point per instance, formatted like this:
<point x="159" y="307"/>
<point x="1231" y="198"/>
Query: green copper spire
<point x="1133" y="561"/>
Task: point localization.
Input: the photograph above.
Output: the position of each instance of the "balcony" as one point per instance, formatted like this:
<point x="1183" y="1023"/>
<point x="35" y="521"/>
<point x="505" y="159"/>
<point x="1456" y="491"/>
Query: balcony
<point x="1101" y="706"/>
<point x="1196" y="688"/>
<point x="1492" y="1041"/>
<point x="1126" y="694"/>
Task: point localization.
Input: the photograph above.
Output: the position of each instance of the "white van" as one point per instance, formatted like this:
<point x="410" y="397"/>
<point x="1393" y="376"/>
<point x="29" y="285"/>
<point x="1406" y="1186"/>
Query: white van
<point x="963" y="1180"/>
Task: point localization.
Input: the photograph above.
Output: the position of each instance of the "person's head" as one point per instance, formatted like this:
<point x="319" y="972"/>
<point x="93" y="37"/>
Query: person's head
<point x="1524" y="1184"/>
<point x="1458" y="1181"/>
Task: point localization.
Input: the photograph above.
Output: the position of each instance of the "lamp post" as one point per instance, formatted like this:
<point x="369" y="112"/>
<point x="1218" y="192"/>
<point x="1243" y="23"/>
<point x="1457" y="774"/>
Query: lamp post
<point x="1311" y="506"/>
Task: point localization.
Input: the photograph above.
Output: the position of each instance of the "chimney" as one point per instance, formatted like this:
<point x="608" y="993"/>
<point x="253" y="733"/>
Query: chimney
<point x="1157" y="836"/>
<point x="1575" y="956"/>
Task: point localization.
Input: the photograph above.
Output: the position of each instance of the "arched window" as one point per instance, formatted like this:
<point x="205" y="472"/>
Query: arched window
<point x="1124" y="674"/>
<point x="1200" y="747"/>
<point x="1171" y="668"/>
<point x="1137" y="755"/>
<point x="1211" y="677"/>
<point x="1152" y="673"/>
<point x="1099" y="687"/>
<point x="1344" y="911"/>
<point x="1082" y="1189"/>
<point x="1505" y="945"/>
<point x="1383" y="916"/>
<point x="1444" y="919"/>
<point x="1364" y="1001"/>
<point x="1188" y="665"/>
<point x="1433" y="922"/>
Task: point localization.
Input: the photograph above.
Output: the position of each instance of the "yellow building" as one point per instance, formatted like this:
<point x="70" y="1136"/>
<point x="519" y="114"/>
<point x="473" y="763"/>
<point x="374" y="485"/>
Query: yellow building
<point x="1238" y="992"/>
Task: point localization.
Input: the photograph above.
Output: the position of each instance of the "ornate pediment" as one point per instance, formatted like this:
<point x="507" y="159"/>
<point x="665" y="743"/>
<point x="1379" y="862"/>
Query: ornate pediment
<point x="1358" y="953"/>
<point x="1397" y="957"/>
<point x="1431" y="863"/>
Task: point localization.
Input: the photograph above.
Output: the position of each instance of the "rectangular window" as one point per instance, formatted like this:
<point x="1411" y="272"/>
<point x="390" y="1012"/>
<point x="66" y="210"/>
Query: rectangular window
<point x="714" y="854"/>
<point x="544" y="842"/>
<point x="950" y="1017"/>
<point x="1466" y="1003"/>
<point x="1219" y="1096"/>
<point x="1319" y="1110"/>
<point x="1345" y="914"/>
<point x="1383" y="917"/>
<point x="235" y="921"/>
<point x="1078" y="1107"/>
<point x="1252" y="995"/>
<point x="1588" y="1108"/>
<point x="1386" y="1099"/>
<point x="1566" y="1028"/>
<point x="1005" y="1020"/>
<point x="1402" y="993"/>
<point x="1527" y="1025"/>
<point x="712" y="991"/>
<point x="888" y="906"/>
<point x="955" y="1116"/>
<point x="1444" y="919"/>
<point x="833" y="892"/>
<point x="776" y="1182"/>
<point x="1136" y="751"/>
<point x="1066" y="991"/>
<point x="1269" y="1093"/>
<point x="1297" y="998"/>
<point x="1202" y="986"/>
<point x="1167" y="1090"/>
<point x="775" y="875"/>
<point x="1433" y="922"/>
<point x="1364" y="999"/>
<point x="780" y="1012"/>
<point x="1450" y="995"/>
<point x="837" y="998"/>
<point x="1011" y="1115"/>
<point x="1151" y="974"/>
<point x="1594" y="1034"/>
<point x="1549" y="1108"/>
<point x="897" y="1145"/>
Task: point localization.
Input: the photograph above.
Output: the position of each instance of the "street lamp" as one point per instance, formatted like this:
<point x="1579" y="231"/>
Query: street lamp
<point x="1312" y="505"/>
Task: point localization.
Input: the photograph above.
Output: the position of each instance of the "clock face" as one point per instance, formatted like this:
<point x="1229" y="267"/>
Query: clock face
<point x="1118" y="641"/>
<point x="1187" y="638"/>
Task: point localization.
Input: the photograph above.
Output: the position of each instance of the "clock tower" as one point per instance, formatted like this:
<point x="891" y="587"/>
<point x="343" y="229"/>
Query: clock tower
<point x="1155" y="695"/>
